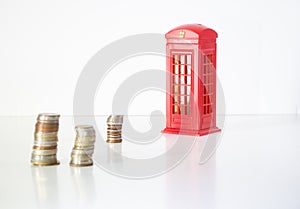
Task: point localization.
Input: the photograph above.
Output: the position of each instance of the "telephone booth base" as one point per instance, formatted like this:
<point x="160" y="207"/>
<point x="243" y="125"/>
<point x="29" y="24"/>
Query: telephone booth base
<point x="191" y="132"/>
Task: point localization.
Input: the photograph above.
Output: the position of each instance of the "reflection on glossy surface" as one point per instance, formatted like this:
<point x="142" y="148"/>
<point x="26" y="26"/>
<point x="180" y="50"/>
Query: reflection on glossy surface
<point x="212" y="142"/>
<point x="114" y="152"/>
<point x="198" y="183"/>
<point x="45" y="186"/>
<point x="84" y="185"/>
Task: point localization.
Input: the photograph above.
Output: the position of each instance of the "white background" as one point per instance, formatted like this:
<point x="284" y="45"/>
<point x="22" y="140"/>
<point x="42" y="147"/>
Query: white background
<point x="44" y="45"/>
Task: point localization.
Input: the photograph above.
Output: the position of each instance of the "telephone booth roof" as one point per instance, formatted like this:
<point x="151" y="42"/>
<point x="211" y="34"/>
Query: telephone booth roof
<point x="192" y="31"/>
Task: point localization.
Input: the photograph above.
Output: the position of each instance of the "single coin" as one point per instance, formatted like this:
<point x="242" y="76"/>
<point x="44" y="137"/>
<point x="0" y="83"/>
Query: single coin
<point x="113" y="141"/>
<point x="44" y="159"/>
<point x="45" y="134"/>
<point x="44" y="148"/>
<point x="44" y="152"/>
<point x="115" y="119"/>
<point x="48" y="117"/>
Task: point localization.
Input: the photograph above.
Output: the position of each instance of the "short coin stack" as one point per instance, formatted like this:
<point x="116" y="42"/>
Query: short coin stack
<point x="45" y="140"/>
<point x="114" y="128"/>
<point x="84" y="146"/>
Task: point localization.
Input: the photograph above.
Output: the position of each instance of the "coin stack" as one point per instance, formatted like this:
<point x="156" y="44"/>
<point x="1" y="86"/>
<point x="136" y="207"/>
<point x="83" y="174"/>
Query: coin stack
<point x="84" y="146"/>
<point x="114" y="128"/>
<point x="45" y="140"/>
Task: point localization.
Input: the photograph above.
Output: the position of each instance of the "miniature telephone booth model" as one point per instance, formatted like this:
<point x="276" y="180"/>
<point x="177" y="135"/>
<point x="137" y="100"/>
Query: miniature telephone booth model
<point x="191" y="80"/>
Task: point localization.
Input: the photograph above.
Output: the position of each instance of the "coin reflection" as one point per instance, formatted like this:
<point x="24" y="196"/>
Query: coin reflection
<point x="45" y="186"/>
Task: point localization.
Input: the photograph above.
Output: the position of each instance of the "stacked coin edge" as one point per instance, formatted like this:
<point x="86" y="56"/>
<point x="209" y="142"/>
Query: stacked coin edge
<point x="114" y="128"/>
<point x="83" y="149"/>
<point x="45" y="140"/>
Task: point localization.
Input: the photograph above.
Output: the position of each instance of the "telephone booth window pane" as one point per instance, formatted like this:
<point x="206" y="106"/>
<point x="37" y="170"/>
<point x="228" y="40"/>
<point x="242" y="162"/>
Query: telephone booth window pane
<point x="176" y="70"/>
<point x="189" y="81"/>
<point x="182" y="110"/>
<point x="182" y="100"/>
<point x="188" y="100"/>
<point x="188" y="91"/>
<point x="176" y="79"/>
<point x="182" y="59"/>
<point x="189" y="70"/>
<point x="182" y="69"/>
<point x="189" y="59"/>
<point x="182" y="79"/>
<point x="176" y="59"/>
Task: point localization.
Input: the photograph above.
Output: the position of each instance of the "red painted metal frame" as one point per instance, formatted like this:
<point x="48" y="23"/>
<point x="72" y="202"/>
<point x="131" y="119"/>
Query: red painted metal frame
<point x="200" y="42"/>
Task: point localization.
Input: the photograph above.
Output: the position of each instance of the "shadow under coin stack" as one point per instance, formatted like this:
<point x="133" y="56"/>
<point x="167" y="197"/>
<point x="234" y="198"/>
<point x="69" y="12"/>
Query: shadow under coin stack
<point x="84" y="146"/>
<point x="114" y="128"/>
<point x="45" y="140"/>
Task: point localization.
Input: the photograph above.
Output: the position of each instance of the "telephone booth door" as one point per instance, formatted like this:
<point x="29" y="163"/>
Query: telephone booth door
<point x="181" y="86"/>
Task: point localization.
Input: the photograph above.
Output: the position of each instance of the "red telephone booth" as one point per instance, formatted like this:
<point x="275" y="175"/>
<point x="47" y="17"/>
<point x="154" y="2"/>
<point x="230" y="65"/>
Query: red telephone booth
<point x="191" y="80"/>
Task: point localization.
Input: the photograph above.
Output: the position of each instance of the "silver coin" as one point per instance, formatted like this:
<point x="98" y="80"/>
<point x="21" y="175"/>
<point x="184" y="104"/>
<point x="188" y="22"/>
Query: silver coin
<point x="84" y="143"/>
<point x="86" y="134"/>
<point x="86" y="139"/>
<point x="115" y="119"/>
<point x="80" y="161"/>
<point x="81" y="158"/>
<point x="82" y="152"/>
<point x="44" y="152"/>
<point x="46" y="139"/>
<point x="45" y="143"/>
<point x="48" y="117"/>
<point x="50" y="159"/>
<point x="114" y="137"/>
<point x="83" y="148"/>
<point x="45" y="134"/>
<point x="85" y="130"/>
<point x="76" y="162"/>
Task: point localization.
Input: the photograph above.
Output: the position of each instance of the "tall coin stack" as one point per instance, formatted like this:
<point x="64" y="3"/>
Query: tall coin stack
<point x="114" y="128"/>
<point x="83" y="149"/>
<point x="45" y="140"/>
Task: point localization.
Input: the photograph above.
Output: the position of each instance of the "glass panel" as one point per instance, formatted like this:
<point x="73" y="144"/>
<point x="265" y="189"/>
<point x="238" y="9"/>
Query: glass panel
<point x="189" y="59"/>
<point x="182" y="110"/>
<point x="175" y="109"/>
<point x="188" y="90"/>
<point x="182" y="90"/>
<point x="189" y="70"/>
<point x="176" y="79"/>
<point x="176" y="69"/>
<point x="189" y="80"/>
<point x="182" y="99"/>
<point x="182" y="79"/>
<point x="175" y="89"/>
<point x="182" y="59"/>
<point x="182" y="69"/>
<point x="188" y="100"/>
<point x="176" y="59"/>
<point x="176" y="98"/>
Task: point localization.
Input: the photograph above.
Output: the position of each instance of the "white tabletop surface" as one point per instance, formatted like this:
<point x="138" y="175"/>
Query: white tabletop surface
<point x="256" y="165"/>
